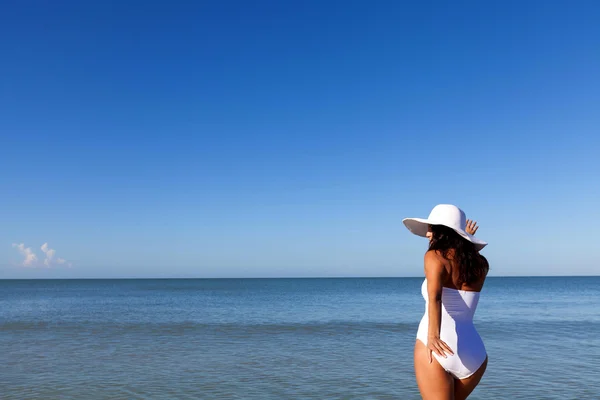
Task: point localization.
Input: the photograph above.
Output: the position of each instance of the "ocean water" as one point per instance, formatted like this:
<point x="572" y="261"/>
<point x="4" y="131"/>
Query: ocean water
<point x="283" y="338"/>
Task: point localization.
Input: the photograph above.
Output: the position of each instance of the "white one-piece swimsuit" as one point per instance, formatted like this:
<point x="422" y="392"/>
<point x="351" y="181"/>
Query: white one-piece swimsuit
<point x="457" y="330"/>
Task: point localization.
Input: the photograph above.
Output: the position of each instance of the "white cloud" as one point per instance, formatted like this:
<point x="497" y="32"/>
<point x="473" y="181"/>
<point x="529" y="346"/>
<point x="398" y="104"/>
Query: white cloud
<point x="63" y="261"/>
<point x="30" y="257"/>
<point x="49" y="254"/>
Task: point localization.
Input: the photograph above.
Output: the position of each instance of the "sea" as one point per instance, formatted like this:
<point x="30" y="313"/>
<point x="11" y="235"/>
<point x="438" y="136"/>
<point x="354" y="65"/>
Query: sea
<point x="338" y="338"/>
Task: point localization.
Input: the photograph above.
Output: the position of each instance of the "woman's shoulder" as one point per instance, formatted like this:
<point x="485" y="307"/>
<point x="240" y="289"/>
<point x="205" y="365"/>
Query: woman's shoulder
<point x="433" y="257"/>
<point x="437" y="254"/>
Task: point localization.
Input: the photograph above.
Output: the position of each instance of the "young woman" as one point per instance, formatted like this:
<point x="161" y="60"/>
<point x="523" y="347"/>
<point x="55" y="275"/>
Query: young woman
<point x="449" y="357"/>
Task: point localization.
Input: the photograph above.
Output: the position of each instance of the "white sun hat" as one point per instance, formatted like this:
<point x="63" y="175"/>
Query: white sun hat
<point x="447" y="215"/>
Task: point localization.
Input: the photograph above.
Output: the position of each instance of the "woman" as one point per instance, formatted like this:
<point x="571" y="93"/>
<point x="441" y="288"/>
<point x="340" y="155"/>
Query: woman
<point x="449" y="356"/>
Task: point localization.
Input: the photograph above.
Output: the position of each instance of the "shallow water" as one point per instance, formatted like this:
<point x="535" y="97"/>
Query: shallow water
<point x="283" y="338"/>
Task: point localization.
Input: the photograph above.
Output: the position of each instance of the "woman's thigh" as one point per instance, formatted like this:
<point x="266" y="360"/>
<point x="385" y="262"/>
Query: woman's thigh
<point x="464" y="387"/>
<point x="433" y="381"/>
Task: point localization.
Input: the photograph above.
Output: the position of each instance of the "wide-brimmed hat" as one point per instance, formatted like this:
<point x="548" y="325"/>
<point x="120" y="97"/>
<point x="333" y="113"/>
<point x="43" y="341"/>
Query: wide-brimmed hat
<point x="447" y="215"/>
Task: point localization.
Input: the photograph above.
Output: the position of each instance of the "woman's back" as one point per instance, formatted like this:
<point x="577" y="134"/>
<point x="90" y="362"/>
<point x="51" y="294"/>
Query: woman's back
<point x="453" y="276"/>
<point x="457" y="305"/>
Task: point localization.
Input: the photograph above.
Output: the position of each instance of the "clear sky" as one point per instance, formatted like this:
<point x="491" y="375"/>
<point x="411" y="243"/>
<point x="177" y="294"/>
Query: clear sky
<point x="290" y="138"/>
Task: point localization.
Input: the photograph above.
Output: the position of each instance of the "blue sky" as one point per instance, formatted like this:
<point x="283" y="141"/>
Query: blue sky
<point x="269" y="138"/>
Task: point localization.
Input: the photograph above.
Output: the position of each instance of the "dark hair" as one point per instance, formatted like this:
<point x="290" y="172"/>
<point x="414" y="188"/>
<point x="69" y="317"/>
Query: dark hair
<point x="472" y="267"/>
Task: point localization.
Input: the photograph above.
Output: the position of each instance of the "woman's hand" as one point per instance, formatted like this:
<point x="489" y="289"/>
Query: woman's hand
<point x="471" y="227"/>
<point x="439" y="346"/>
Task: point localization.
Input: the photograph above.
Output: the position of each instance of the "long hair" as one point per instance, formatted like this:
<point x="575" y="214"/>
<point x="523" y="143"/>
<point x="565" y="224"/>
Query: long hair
<point x="452" y="246"/>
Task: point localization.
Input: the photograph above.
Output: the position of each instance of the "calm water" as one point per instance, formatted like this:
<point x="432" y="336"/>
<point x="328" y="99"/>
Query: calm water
<point x="283" y="339"/>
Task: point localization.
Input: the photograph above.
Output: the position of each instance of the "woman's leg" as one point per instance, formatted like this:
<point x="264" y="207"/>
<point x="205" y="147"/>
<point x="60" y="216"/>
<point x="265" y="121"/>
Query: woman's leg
<point x="434" y="382"/>
<point x="464" y="387"/>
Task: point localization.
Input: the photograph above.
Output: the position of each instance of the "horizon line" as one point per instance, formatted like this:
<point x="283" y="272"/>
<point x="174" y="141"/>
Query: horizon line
<point x="285" y="277"/>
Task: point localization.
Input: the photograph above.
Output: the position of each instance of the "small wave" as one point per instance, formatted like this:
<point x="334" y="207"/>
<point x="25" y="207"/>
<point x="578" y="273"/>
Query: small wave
<point x="337" y="327"/>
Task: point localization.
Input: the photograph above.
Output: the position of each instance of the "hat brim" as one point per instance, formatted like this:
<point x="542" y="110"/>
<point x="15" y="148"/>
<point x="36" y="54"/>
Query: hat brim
<point x="420" y="226"/>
